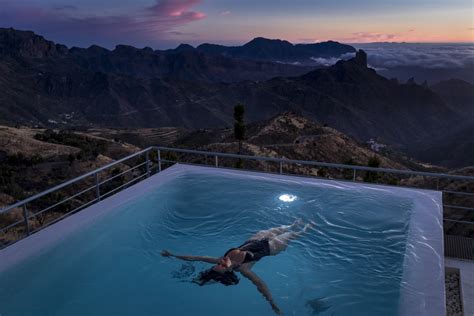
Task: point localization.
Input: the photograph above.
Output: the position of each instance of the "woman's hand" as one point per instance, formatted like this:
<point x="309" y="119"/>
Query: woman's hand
<point x="166" y="253"/>
<point x="276" y="309"/>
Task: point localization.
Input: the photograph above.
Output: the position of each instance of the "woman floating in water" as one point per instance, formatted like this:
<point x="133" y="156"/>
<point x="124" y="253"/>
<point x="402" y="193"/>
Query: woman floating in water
<point x="264" y="243"/>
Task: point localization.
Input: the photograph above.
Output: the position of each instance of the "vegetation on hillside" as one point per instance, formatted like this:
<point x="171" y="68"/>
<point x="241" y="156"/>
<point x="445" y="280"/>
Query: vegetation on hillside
<point x="90" y="147"/>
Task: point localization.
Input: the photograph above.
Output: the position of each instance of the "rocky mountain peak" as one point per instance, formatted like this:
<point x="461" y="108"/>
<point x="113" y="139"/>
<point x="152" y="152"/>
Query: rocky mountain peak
<point x="184" y="47"/>
<point x="95" y="49"/>
<point x="262" y="41"/>
<point x="361" y="58"/>
<point x="27" y="44"/>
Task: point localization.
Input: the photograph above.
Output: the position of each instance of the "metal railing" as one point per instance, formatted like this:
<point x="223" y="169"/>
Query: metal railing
<point x="147" y="165"/>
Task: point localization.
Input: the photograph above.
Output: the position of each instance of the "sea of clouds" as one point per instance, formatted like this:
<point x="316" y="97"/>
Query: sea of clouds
<point x="432" y="56"/>
<point x="430" y="62"/>
<point x="390" y="55"/>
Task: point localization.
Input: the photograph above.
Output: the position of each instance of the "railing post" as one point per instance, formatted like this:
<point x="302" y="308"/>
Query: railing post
<point x="354" y="175"/>
<point x="159" y="160"/>
<point x="281" y="166"/>
<point x="97" y="186"/>
<point x="147" y="157"/>
<point x="216" y="161"/>
<point x="437" y="185"/>
<point x="25" y="216"/>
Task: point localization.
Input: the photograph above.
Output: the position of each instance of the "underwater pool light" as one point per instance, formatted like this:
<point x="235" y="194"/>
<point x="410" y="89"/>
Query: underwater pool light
<point x="287" y="197"/>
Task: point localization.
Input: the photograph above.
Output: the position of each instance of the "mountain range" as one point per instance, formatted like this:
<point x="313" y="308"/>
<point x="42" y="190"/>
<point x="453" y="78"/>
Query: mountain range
<point x="48" y="84"/>
<point x="280" y="51"/>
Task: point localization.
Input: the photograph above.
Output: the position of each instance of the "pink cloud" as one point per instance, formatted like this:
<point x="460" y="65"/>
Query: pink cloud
<point x="149" y="25"/>
<point x="176" y="9"/>
<point x="365" y="37"/>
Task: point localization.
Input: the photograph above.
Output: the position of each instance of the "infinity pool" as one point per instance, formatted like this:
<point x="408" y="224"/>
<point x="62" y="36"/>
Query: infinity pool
<point x="373" y="250"/>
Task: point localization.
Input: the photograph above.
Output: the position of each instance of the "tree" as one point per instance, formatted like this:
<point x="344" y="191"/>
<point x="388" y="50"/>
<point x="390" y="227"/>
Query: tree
<point x="239" y="127"/>
<point x="371" y="176"/>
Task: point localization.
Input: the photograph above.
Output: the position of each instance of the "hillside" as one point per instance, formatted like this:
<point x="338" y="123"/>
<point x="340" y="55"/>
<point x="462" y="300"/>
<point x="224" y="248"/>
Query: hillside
<point x="46" y="84"/>
<point x="29" y="156"/>
<point x="459" y="145"/>
<point x="33" y="160"/>
<point x="456" y="140"/>
<point x="294" y="137"/>
<point x="458" y="95"/>
<point x="36" y="159"/>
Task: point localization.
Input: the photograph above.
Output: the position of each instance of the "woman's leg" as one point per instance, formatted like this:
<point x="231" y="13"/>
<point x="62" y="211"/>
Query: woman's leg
<point x="273" y="232"/>
<point x="280" y="242"/>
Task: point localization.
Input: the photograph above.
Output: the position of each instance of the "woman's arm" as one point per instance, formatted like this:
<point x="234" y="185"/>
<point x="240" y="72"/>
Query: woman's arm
<point x="166" y="253"/>
<point x="261" y="287"/>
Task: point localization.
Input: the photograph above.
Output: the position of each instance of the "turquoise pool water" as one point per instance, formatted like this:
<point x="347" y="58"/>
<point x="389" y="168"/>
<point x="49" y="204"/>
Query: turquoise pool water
<point x="350" y="263"/>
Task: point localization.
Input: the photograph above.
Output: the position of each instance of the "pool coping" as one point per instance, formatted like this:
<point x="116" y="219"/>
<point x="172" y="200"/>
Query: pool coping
<point x="466" y="281"/>
<point x="430" y="244"/>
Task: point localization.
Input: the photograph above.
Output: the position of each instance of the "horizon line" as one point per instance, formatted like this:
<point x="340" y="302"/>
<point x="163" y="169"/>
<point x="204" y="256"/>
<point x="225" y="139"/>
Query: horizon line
<point x="241" y="43"/>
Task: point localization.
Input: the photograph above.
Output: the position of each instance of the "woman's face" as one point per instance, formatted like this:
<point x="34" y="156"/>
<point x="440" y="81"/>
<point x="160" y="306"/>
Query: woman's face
<point x="223" y="265"/>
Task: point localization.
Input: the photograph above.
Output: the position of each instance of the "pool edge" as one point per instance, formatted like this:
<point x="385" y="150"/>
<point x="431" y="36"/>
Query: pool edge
<point x="51" y="235"/>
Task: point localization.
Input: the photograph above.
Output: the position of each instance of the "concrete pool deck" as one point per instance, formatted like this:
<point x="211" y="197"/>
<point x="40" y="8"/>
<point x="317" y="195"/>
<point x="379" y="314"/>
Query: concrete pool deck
<point x="422" y="286"/>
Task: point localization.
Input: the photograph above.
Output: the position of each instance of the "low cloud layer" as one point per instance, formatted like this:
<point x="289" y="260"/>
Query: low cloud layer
<point x="150" y="25"/>
<point x="331" y="60"/>
<point x="383" y="56"/>
<point x="431" y="56"/>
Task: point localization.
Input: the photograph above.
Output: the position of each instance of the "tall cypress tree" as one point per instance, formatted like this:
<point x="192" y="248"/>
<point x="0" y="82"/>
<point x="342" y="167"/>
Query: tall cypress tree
<point x="239" y="128"/>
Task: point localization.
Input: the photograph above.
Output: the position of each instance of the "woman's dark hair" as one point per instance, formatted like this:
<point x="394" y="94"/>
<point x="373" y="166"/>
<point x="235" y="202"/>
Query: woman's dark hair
<point x="226" y="278"/>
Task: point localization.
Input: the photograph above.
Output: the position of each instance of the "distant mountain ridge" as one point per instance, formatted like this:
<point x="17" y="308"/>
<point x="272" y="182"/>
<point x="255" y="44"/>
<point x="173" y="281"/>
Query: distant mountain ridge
<point x="46" y="84"/>
<point x="280" y="51"/>
<point x="183" y="63"/>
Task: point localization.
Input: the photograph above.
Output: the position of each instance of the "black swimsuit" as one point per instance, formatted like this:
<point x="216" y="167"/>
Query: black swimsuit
<point x="254" y="249"/>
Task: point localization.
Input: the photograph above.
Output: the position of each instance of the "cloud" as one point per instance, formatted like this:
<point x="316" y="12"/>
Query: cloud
<point x="383" y="56"/>
<point x="149" y="25"/>
<point x="430" y="56"/>
<point x="370" y="37"/>
<point x="165" y="10"/>
<point x="227" y="12"/>
<point x="331" y="60"/>
<point x="182" y="33"/>
<point x="308" y="40"/>
<point x="325" y="61"/>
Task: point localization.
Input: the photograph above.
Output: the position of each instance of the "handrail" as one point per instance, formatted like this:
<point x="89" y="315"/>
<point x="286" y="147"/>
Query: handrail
<point x="317" y="163"/>
<point x="65" y="184"/>
<point x="158" y="150"/>
<point x="258" y="158"/>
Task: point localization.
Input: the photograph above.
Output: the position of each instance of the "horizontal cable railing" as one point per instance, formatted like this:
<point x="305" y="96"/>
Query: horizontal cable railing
<point x="27" y="217"/>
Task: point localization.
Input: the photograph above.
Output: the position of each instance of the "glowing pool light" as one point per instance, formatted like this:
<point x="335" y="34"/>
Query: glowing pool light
<point x="287" y="197"/>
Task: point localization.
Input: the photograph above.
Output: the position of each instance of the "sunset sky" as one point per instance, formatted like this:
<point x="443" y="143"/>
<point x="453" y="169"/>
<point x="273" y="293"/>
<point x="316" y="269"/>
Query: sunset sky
<point x="166" y="23"/>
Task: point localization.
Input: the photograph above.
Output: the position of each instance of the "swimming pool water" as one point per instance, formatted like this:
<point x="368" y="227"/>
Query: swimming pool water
<point x="350" y="263"/>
